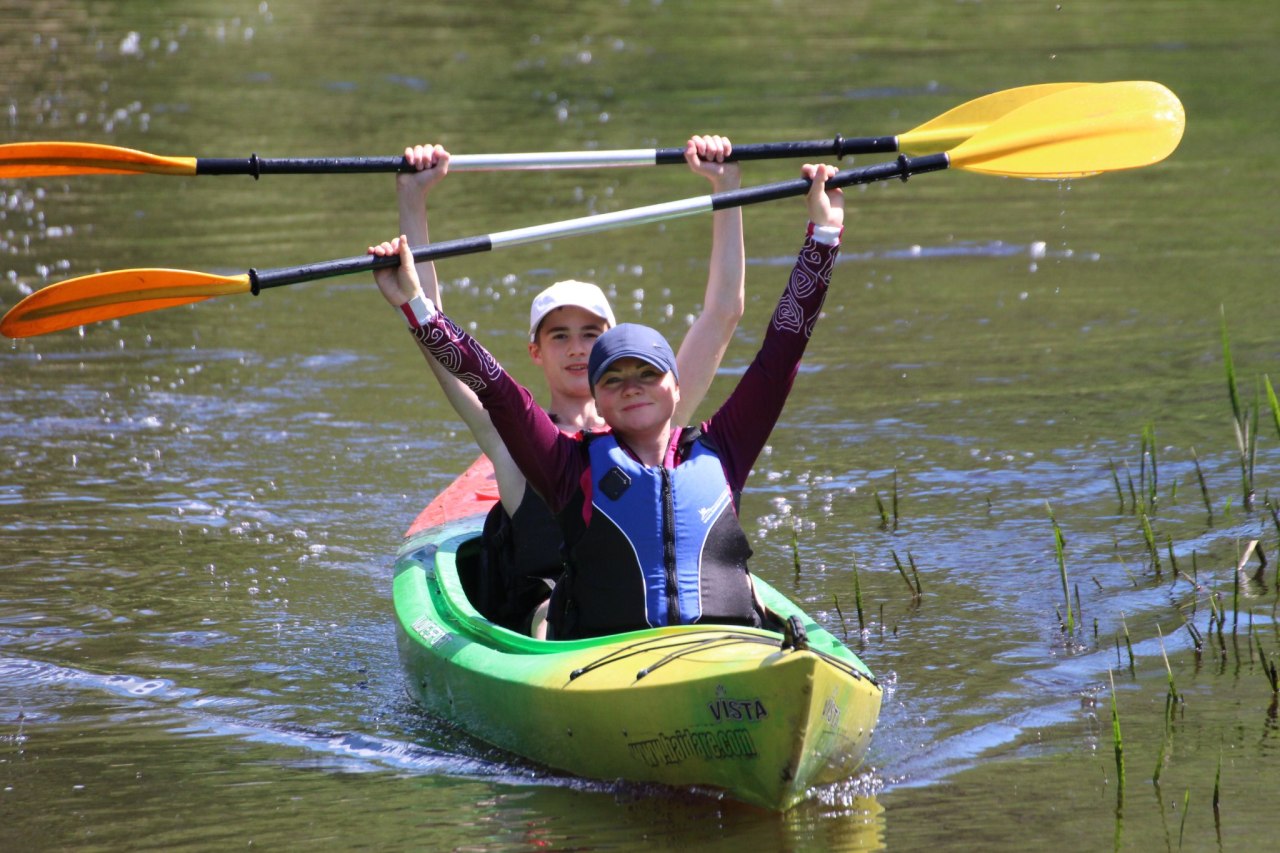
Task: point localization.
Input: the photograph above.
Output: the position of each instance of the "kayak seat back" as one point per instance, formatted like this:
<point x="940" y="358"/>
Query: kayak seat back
<point x="467" y="561"/>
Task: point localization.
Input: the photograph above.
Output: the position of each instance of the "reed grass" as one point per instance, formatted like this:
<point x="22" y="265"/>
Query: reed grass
<point x="1152" y="551"/>
<point x="1197" y="639"/>
<point x="1173" y="698"/>
<point x="1150" y="485"/>
<point x="1216" y="601"/>
<point x="1133" y="580"/>
<point x="913" y="586"/>
<point x="1269" y="670"/>
<point x="1244" y="419"/>
<point x="844" y="627"/>
<point x="795" y="546"/>
<point x="1254" y="547"/>
<point x="895" y="499"/>
<point x="1204" y="488"/>
<point x="1128" y="642"/>
<point x="886" y="522"/>
<point x="1272" y="403"/>
<point x="1059" y="547"/>
<point x="1115" y="479"/>
<point x="1118" y="741"/>
<point x="857" y="596"/>
<point x="1133" y="492"/>
<point x="884" y="515"/>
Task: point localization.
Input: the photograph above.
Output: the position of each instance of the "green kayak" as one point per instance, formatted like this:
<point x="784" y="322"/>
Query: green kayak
<point x="761" y="716"/>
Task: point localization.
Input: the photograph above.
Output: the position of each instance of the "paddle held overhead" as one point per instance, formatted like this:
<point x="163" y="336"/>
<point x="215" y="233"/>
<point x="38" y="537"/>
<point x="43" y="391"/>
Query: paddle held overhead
<point x="49" y="159"/>
<point x="1072" y="133"/>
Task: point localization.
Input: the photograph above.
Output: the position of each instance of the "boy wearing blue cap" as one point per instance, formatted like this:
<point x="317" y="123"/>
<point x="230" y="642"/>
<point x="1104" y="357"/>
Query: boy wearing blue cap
<point x="648" y="509"/>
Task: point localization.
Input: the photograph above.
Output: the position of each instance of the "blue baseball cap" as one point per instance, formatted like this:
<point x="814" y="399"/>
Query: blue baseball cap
<point x="634" y="341"/>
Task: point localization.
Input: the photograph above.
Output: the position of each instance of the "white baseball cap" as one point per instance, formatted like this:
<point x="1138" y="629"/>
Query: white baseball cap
<point x="582" y="294"/>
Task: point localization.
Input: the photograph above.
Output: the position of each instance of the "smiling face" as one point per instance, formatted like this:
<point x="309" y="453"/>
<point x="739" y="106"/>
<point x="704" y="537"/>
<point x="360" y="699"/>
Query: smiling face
<point x="635" y="398"/>
<point x="563" y="344"/>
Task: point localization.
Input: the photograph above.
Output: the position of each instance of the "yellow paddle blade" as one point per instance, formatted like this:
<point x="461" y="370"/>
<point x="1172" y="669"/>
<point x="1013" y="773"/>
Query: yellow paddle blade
<point x="1077" y="132"/>
<point x="959" y="123"/>
<point x="108" y="295"/>
<point x="47" y="159"/>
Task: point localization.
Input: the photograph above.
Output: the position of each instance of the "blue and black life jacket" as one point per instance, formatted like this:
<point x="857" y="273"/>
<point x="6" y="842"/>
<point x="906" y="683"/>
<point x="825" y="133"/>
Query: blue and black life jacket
<point x="663" y="546"/>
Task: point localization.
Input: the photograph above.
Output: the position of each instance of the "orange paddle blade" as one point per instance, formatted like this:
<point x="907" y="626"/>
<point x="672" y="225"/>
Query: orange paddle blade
<point x="1103" y="127"/>
<point x="47" y="159"/>
<point x="108" y="295"/>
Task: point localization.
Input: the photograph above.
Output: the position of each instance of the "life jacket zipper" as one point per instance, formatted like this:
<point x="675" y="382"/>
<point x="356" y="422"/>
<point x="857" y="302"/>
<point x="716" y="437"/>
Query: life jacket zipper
<point x="669" y="549"/>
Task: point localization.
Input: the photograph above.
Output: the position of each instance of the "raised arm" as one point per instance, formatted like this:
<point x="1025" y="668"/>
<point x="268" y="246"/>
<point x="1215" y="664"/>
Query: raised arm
<point x="431" y="163"/>
<point x="548" y="457"/>
<point x="742" y="425"/>
<point x="704" y="345"/>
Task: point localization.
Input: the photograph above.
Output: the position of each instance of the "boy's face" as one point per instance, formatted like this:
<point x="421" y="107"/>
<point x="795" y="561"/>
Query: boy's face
<point x="564" y="342"/>
<point x="636" y="398"/>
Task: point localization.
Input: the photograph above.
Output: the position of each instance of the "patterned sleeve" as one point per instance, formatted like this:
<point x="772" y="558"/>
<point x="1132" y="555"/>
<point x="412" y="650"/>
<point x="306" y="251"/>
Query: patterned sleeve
<point x="549" y="459"/>
<point x="742" y="425"/>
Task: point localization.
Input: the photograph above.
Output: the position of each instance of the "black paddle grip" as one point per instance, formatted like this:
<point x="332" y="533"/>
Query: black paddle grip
<point x="837" y="146"/>
<point x="258" y="166"/>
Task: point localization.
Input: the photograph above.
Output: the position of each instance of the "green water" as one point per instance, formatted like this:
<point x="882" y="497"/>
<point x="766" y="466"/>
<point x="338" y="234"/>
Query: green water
<point x="198" y="507"/>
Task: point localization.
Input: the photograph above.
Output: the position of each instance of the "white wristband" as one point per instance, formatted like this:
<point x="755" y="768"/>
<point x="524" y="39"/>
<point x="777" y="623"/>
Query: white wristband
<point x="418" y="311"/>
<point x="828" y="235"/>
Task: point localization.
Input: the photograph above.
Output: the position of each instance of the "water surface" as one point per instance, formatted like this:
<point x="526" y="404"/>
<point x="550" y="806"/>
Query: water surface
<point x="199" y="507"/>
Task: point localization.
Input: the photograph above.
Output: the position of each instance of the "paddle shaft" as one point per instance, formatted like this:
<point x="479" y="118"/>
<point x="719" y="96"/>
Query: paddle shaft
<point x="257" y="166"/>
<point x="903" y="167"/>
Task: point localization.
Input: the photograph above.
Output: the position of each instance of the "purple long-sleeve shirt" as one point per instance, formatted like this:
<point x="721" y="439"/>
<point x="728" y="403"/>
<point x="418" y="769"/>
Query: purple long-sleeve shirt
<point x="554" y="463"/>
